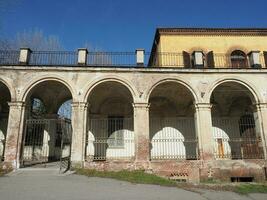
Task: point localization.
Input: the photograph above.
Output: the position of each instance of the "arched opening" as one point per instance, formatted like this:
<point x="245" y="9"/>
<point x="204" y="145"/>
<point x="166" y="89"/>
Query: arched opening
<point x="110" y="122"/>
<point x="239" y="59"/>
<point x="47" y="129"/>
<point x="235" y="125"/>
<point x="5" y="97"/>
<point x="172" y="127"/>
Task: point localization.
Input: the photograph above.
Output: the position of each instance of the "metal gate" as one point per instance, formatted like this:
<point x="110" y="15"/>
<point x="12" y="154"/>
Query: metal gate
<point x="47" y="141"/>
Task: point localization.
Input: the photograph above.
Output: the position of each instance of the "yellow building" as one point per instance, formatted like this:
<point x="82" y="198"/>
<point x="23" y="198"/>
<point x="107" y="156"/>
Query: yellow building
<point x="220" y="48"/>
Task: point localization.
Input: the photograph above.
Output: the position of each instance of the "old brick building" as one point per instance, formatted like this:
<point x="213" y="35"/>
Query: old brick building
<point x="194" y="108"/>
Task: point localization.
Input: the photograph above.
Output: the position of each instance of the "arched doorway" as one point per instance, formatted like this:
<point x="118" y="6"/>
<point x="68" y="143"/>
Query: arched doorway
<point x="172" y="126"/>
<point x="5" y="97"/>
<point x="235" y="125"/>
<point x="239" y="59"/>
<point x="110" y="132"/>
<point x="47" y="128"/>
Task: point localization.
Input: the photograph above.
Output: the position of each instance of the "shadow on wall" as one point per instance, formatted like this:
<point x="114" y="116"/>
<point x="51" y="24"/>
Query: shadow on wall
<point x="110" y="139"/>
<point x="235" y="140"/>
<point x="173" y="138"/>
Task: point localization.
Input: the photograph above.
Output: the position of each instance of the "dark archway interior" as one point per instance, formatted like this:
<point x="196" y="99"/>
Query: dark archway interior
<point x="172" y="126"/>
<point x="111" y="99"/>
<point x="5" y="97"/>
<point x="110" y="121"/>
<point x="236" y="129"/>
<point x="51" y="93"/>
<point x="171" y="99"/>
<point x="231" y="99"/>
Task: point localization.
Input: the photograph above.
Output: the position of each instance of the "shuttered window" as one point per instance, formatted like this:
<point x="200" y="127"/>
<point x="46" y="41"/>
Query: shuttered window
<point x="210" y="59"/>
<point x="187" y="60"/>
<point x="265" y="58"/>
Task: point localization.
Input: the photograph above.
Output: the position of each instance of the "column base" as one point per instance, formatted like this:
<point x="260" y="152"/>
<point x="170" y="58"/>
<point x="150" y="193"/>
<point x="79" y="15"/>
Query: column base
<point x="77" y="164"/>
<point x="142" y="165"/>
<point x="7" y="166"/>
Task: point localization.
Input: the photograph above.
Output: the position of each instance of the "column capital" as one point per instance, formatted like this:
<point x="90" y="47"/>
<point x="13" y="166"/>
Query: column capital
<point x="80" y="104"/>
<point x="203" y="106"/>
<point x="141" y="105"/>
<point x="260" y="106"/>
<point x="16" y="104"/>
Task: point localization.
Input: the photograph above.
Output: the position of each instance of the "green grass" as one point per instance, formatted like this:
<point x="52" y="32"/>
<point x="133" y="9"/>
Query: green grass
<point x="137" y="176"/>
<point x="141" y="177"/>
<point x="250" y="188"/>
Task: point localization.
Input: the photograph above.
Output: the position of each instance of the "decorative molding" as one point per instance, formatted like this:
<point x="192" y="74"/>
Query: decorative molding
<point x="17" y="104"/>
<point x="213" y="31"/>
<point x="199" y="106"/>
<point x="141" y="105"/>
<point x="82" y="106"/>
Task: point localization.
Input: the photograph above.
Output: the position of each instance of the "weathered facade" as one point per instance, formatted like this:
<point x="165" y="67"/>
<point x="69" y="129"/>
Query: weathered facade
<point x="197" y="111"/>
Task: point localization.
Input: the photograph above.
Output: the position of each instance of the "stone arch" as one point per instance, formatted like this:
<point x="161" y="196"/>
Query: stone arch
<point x="11" y="89"/>
<point x="237" y="47"/>
<point x="5" y="94"/>
<point x="44" y="130"/>
<point x="39" y="80"/>
<point x="251" y="88"/>
<point x="171" y="120"/>
<point x="178" y="81"/>
<point x="110" y="119"/>
<point x="235" y="125"/>
<point x="89" y="88"/>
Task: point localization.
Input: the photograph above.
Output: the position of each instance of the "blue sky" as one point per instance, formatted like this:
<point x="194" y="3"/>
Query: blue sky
<point x="124" y="25"/>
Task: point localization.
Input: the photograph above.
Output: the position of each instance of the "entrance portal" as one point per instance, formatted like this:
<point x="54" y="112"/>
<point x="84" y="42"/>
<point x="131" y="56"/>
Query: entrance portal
<point x="47" y="127"/>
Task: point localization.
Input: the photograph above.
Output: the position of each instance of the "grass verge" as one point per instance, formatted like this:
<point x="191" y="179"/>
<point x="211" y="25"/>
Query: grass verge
<point x="137" y="176"/>
<point x="141" y="177"/>
<point x="250" y="188"/>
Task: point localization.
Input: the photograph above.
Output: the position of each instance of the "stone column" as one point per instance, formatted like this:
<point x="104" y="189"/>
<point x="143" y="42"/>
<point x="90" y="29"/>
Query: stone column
<point x="204" y="130"/>
<point x="79" y="119"/>
<point x="141" y="131"/>
<point x="14" y="133"/>
<point x="261" y="109"/>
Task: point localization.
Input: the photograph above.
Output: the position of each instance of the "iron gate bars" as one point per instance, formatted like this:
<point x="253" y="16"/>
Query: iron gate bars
<point x="110" y="138"/>
<point x="46" y="140"/>
<point x="236" y="138"/>
<point x="173" y="138"/>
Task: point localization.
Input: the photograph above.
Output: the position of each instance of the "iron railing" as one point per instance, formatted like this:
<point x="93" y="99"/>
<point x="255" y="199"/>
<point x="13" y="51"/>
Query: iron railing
<point x="219" y="60"/>
<point x="46" y="140"/>
<point x="114" y="59"/>
<point x="127" y="59"/>
<point x="9" y="57"/>
<point x="236" y="138"/>
<point x="166" y="59"/>
<point x="173" y="138"/>
<point x="239" y="148"/>
<point x="53" y="58"/>
<point x="110" y="138"/>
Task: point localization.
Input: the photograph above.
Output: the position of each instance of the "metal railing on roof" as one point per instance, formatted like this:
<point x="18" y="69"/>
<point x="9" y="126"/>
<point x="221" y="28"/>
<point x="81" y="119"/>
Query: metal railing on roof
<point x="53" y="58"/>
<point x="9" y="57"/>
<point x="125" y="59"/>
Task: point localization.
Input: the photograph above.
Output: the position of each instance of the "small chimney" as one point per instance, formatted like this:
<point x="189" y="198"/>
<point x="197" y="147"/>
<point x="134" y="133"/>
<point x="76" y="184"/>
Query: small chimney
<point x="140" y="57"/>
<point x="24" y="56"/>
<point x="82" y="56"/>
<point x="254" y="59"/>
